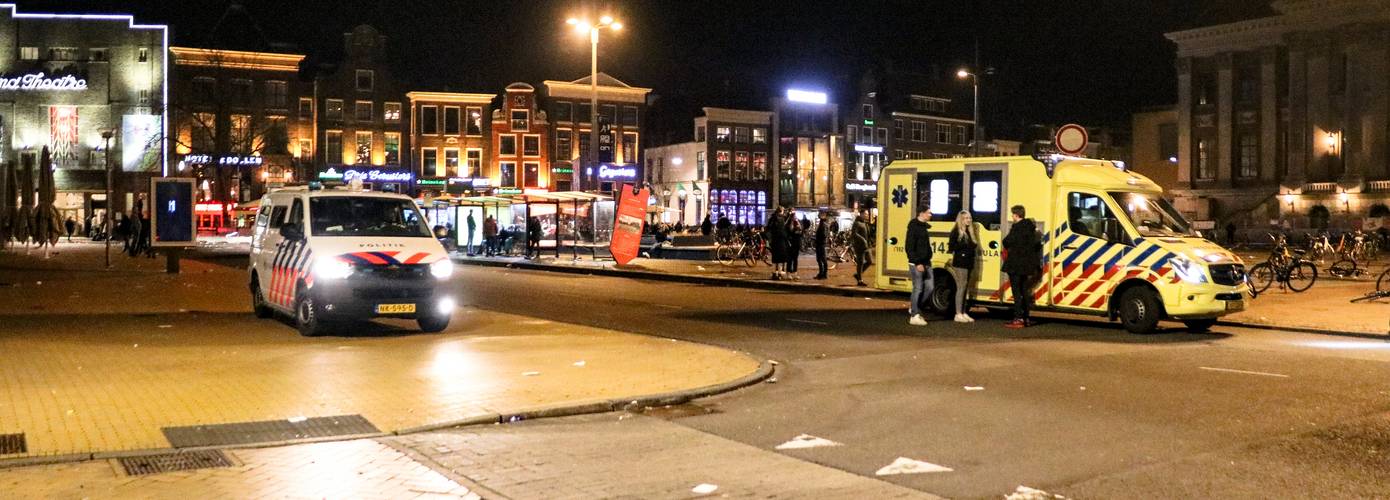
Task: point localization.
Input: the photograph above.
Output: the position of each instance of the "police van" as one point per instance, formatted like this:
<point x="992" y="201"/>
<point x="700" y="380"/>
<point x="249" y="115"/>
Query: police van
<point x="1112" y="245"/>
<point x="327" y="256"/>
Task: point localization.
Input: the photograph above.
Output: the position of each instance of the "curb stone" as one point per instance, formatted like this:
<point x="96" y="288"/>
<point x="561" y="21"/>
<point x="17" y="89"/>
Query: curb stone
<point x="813" y="288"/>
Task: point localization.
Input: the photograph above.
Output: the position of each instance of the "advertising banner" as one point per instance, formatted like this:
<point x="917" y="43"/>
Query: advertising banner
<point x="172" y="212"/>
<point x="62" y="135"/>
<point x="627" y="224"/>
<point x="140" y="136"/>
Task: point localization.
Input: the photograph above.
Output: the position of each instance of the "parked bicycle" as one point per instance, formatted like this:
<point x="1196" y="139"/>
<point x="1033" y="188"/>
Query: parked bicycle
<point x="1382" y="288"/>
<point x="1286" y="266"/>
<point x="749" y="247"/>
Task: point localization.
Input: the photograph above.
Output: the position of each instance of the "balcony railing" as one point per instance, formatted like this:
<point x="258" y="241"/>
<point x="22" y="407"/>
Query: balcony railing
<point x="1378" y="186"/>
<point x="1320" y="187"/>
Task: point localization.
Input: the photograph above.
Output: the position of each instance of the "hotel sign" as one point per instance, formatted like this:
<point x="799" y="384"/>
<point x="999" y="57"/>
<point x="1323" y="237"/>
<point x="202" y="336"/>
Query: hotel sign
<point x="40" y="81"/>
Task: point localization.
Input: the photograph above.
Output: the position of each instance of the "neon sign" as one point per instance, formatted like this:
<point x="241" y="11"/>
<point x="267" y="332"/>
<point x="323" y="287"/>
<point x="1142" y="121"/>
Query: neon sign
<point x="369" y="175"/>
<point x="863" y="187"/>
<point x="867" y="148"/>
<point x="38" y="81"/>
<point x="607" y="172"/>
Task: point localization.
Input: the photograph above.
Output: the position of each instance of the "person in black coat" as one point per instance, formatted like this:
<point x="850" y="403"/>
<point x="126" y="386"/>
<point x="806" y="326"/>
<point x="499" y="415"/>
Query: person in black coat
<point x="706" y="227"/>
<point x="917" y="243"/>
<point x="1022" y="262"/>
<point x="965" y="248"/>
<point x="822" y="239"/>
<point x="777" y="242"/>
<point x="793" y="248"/>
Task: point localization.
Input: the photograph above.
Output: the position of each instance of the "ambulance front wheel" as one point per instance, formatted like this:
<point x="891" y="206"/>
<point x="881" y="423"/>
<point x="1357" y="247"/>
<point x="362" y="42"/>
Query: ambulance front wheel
<point x="1140" y="310"/>
<point x="942" y="300"/>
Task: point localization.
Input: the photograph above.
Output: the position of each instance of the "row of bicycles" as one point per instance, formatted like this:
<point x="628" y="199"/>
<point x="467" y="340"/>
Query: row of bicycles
<point x="1294" y="269"/>
<point x="751" y="247"/>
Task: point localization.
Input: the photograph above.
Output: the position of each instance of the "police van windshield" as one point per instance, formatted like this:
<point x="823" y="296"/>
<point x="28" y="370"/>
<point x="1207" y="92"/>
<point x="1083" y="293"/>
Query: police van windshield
<point x="366" y="216"/>
<point x="1152" y="215"/>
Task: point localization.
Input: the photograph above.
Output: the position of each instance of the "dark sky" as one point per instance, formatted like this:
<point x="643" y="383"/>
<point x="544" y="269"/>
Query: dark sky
<point x="1088" y="61"/>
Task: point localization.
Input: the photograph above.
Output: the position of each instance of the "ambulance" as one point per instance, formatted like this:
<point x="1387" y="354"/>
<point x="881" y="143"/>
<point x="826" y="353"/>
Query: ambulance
<point x="1112" y="245"/>
<point x="329" y="256"/>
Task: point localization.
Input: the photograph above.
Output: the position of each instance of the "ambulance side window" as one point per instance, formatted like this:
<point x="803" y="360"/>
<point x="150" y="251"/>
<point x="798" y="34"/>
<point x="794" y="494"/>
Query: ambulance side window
<point x="1088" y="215"/>
<point x="942" y="192"/>
<point x="985" y="191"/>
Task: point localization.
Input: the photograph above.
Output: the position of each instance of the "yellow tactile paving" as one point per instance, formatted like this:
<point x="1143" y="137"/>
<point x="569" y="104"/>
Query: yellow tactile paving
<point x="74" y="388"/>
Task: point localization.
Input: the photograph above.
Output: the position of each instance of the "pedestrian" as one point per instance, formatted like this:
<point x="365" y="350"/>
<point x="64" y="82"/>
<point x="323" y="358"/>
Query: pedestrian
<point x="489" y="236"/>
<point x="777" y="242"/>
<point x="917" y="243"/>
<point x="859" y="242"/>
<point x="822" y="239"/>
<point x="964" y="247"/>
<point x="706" y="227"/>
<point x="795" y="233"/>
<point x="87" y="225"/>
<point x="472" y="228"/>
<point x="533" y="237"/>
<point x="1022" y="262"/>
<point x="71" y="226"/>
<point x="725" y="227"/>
<point x="133" y="234"/>
<point x="145" y="230"/>
<point x="1230" y="233"/>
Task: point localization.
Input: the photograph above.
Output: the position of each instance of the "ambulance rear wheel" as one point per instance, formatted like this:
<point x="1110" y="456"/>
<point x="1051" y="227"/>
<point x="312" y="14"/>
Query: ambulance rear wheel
<point x="1140" y="310"/>
<point x="1199" y="325"/>
<point x="943" y="296"/>
<point x="434" y="323"/>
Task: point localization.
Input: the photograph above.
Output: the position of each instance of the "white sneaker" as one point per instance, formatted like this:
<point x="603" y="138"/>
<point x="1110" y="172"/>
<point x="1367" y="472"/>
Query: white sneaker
<point x="967" y="317"/>
<point x="961" y="318"/>
<point x="917" y="320"/>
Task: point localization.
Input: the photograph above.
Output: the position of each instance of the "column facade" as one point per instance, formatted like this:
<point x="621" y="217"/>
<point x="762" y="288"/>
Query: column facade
<point x="1185" y="151"/>
<point x="1269" y="114"/>
<point x="1225" y="118"/>
<point x="1298" y="143"/>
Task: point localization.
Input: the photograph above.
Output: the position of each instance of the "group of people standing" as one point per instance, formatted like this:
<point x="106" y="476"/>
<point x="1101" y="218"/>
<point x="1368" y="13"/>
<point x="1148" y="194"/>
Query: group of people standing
<point x="1022" y="262"/>
<point x="785" y="234"/>
<point x="498" y="240"/>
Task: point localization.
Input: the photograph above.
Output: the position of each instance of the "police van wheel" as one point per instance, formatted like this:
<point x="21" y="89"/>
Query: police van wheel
<point x="306" y="317"/>
<point x="258" y="304"/>
<point x="1199" y="325"/>
<point x="1139" y="310"/>
<point x="433" y="323"/>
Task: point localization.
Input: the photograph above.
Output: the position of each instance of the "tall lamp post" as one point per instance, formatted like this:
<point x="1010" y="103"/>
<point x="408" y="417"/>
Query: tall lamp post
<point x="605" y="22"/>
<point x="699" y="205"/>
<point x="974" y="82"/>
<point x="680" y="195"/>
<point x="110" y="216"/>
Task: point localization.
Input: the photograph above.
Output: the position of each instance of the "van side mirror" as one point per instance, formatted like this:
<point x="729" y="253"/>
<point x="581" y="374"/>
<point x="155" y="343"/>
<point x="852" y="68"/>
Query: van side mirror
<point x="291" y="232"/>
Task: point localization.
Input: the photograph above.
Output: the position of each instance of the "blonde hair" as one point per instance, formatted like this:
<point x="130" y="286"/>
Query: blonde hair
<point x="968" y="232"/>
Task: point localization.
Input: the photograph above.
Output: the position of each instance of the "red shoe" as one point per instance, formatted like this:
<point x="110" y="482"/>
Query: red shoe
<point x="1015" y="324"/>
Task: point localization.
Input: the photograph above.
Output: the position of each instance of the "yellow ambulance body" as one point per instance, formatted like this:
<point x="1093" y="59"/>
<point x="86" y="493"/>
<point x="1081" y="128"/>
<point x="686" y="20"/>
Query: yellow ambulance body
<point x="1112" y="246"/>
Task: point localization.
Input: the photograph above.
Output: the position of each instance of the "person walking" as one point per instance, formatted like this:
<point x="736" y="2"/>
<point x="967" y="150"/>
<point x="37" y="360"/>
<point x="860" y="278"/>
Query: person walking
<point x="533" y="237"/>
<point x="1022" y="262"/>
<point x="777" y="242"/>
<point x="472" y="225"/>
<point x="133" y="234"/>
<point x="706" y="227"/>
<point x="822" y="239"/>
<point x="965" y="248"/>
<point x="795" y="232"/>
<point x="489" y="236"/>
<point x="71" y="226"/>
<point x="917" y="242"/>
<point x="859" y="242"/>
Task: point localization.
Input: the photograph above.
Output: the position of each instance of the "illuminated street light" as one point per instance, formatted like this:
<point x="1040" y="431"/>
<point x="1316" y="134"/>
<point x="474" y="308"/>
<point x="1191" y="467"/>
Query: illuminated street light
<point x="975" y="132"/>
<point x="581" y="26"/>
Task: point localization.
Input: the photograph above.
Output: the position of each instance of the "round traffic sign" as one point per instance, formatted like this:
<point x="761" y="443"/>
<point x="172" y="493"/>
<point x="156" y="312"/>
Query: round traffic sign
<point x="1071" y="139"/>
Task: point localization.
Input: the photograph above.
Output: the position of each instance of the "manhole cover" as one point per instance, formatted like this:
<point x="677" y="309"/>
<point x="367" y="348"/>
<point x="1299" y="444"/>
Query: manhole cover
<point x="13" y="443"/>
<point x="266" y="431"/>
<point x="155" y="464"/>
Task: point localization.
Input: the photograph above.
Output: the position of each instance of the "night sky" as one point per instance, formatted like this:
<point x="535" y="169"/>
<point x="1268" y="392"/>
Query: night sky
<point x="1086" y="61"/>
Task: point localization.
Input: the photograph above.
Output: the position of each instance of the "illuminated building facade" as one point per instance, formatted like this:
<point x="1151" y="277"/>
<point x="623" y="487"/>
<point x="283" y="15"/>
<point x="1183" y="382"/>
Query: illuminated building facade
<point x="450" y="141"/>
<point x="361" y="117"/>
<point x="622" y="107"/>
<point x="65" y="80"/>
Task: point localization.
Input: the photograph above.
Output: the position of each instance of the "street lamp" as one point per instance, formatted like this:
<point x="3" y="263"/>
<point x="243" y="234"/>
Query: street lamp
<point x="605" y="22"/>
<point x="106" y="156"/>
<point x="974" y="82"/>
<point x="699" y="205"/>
<point x="680" y="194"/>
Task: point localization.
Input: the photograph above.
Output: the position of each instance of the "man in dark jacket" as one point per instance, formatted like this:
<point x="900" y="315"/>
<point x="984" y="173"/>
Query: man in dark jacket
<point x="1022" y="262"/>
<point x="917" y="243"/>
<point x="795" y="232"/>
<point x="777" y="242"/>
<point x="472" y="229"/>
<point x="859" y="243"/>
<point x="706" y="227"/>
<point x="822" y="239"/>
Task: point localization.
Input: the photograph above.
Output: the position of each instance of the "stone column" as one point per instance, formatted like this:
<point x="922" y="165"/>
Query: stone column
<point x="1373" y="106"/>
<point x="1319" y="111"/>
<point x="1269" y="114"/>
<point x="1185" y="152"/>
<point x="1225" y="118"/>
<point x="1298" y="133"/>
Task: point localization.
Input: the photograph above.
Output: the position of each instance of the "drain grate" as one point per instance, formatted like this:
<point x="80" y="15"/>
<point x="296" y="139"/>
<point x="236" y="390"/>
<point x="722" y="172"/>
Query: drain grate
<point x="267" y="431"/>
<point x="172" y="462"/>
<point x="13" y="443"/>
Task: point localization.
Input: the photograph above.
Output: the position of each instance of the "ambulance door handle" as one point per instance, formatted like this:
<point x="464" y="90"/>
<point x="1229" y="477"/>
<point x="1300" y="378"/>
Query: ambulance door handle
<point x="1070" y="248"/>
<point x="893" y="240"/>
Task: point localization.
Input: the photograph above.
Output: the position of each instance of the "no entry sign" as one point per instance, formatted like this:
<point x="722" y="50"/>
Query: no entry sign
<point x="1071" y="139"/>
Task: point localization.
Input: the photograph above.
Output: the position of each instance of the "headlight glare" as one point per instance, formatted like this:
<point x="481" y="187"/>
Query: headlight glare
<point x="442" y="268"/>
<point x="332" y="269"/>
<point x="1188" y="270"/>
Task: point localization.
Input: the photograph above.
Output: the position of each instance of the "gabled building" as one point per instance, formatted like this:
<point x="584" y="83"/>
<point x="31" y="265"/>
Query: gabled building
<point x="622" y="107"/>
<point x="519" y="142"/>
<point x="450" y="141"/>
<point x="726" y="170"/>
<point x="361" y="117"/>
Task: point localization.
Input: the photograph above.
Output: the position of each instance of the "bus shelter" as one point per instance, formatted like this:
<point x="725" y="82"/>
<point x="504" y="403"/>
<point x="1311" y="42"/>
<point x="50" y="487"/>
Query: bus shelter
<point x="572" y="218"/>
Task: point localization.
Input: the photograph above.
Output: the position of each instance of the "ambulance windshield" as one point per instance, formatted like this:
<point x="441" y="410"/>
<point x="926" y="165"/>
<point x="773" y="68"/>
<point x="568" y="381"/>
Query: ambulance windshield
<point x="366" y="216"/>
<point x="1152" y="215"/>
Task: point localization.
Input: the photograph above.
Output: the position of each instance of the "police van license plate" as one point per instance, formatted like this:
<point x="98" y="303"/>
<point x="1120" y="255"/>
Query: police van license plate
<point x="395" y="308"/>
<point x="1235" y="305"/>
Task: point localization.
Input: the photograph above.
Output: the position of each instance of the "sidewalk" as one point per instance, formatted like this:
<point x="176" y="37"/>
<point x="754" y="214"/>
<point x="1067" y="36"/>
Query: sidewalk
<point x="132" y="360"/>
<point x="1323" y="308"/>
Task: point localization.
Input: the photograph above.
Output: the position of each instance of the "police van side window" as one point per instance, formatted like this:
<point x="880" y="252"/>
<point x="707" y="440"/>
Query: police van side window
<point x="277" y="217"/>
<point x="263" y="216"/>
<point x="296" y="213"/>
<point x="1088" y="215"/>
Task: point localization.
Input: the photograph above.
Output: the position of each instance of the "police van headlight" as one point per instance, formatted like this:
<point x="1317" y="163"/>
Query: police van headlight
<point x="1188" y="270"/>
<point x="332" y="269"/>
<point x="442" y="269"/>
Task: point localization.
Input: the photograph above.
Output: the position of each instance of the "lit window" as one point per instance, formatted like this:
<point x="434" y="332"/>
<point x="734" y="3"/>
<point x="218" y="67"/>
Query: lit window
<point x="392" y="113"/>
<point x="29" y="53"/>
<point x="984" y="196"/>
<point x="364" y="148"/>
<point x="940" y="190"/>
<point x="333" y="109"/>
<point x="759" y="135"/>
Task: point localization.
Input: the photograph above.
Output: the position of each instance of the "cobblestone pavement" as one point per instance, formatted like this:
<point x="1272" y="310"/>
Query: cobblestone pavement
<point x="349" y="469"/>
<point x="624" y="455"/>
<point x="79" y="376"/>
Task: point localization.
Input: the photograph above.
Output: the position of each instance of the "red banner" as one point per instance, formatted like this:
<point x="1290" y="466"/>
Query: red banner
<point x="627" y="224"/>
